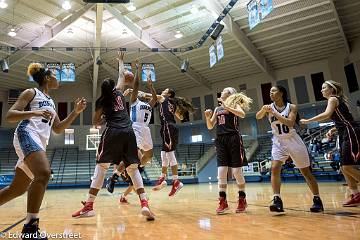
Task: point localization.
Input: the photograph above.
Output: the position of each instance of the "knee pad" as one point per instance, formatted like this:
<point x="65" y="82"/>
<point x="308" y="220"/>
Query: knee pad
<point x="164" y="159"/>
<point x="97" y="179"/>
<point x="172" y="158"/>
<point x="239" y="175"/>
<point x="222" y="175"/>
<point x="135" y="176"/>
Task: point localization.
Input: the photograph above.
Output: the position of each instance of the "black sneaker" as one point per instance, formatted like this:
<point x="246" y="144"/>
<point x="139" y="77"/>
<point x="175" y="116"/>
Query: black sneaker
<point x="317" y="206"/>
<point x="110" y="182"/>
<point x="31" y="231"/>
<point x="277" y="205"/>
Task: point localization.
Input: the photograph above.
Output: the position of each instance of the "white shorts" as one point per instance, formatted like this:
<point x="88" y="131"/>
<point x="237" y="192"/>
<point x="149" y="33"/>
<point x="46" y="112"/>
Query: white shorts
<point x="26" y="142"/>
<point x="143" y="137"/>
<point x="291" y="146"/>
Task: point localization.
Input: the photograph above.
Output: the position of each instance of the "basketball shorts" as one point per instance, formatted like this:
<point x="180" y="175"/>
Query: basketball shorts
<point x="290" y="146"/>
<point x="26" y="142"/>
<point x="349" y="146"/>
<point x="117" y="145"/>
<point x="143" y="136"/>
<point x="230" y="151"/>
<point x="170" y="137"/>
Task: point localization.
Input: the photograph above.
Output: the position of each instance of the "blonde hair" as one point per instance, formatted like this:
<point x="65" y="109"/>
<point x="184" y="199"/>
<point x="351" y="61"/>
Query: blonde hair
<point x="34" y="68"/>
<point x="239" y="98"/>
<point x="338" y="90"/>
<point x="38" y="72"/>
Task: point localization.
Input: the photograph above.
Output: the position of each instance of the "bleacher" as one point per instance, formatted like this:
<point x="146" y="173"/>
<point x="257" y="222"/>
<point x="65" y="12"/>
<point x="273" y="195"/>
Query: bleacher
<point x="187" y="154"/>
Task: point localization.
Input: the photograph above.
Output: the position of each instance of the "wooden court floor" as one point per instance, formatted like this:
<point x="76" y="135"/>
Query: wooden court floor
<point x="191" y="215"/>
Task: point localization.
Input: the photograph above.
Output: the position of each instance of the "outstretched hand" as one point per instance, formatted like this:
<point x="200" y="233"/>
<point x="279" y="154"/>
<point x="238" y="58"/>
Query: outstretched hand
<point x="127" y="92"/>
<point x="208" y="113"/>
<point x="304" y="121"/>
<point x="149" y="82"/>
<point x="80" y="105"/>
<point x="120" y="56"/>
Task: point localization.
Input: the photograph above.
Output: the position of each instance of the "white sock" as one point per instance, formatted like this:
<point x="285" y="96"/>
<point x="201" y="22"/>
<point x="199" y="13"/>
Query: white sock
<point x="30" y="216"/>
<point x="222" y="189"/>
<point x="354" y="191"/>
<point x="318" y="195"/>
<point x="91" y="198"/>
<point x="175" y="177"/>
<point x="142" y="196"/>
<point x="277" y="195"/>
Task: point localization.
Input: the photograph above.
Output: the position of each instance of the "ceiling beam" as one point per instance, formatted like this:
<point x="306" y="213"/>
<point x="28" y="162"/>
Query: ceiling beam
<point x="241" y="38"/>
<point x="346" y="42"/>
<point x="97" y="45"/>
<point x="48" y="35"/>
<point x="144" y="37"/>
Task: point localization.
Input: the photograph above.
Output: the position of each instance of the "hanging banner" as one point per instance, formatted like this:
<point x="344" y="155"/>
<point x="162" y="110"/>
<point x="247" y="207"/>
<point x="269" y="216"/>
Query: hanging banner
<point x="212" y="55"/>
<point x="219" y="48"/>
<point x="266" y="7"/>
<point x="254" y="13"/>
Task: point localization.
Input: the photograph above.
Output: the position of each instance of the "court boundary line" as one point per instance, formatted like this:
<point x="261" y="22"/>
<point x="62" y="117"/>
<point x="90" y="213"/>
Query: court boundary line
<point x="2" y="233"/>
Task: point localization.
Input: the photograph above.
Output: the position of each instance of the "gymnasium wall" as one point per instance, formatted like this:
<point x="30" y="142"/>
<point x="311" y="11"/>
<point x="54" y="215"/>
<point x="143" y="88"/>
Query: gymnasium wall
<point x="332" y="68"/>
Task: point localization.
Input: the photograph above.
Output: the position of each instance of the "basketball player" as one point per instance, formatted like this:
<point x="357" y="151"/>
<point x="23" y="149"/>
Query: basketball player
<point x="170" y="107"/>
<point x="349" y="136"/>
<point x="287" y="143"/>
<point x="117" y="142"/>
<point x="35" y="110"/>
<point x="229" y="145"/>
<point x="140" y="114"/>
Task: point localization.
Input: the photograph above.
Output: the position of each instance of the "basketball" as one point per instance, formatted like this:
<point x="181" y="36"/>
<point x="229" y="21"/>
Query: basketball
<point x="129" y="78"/>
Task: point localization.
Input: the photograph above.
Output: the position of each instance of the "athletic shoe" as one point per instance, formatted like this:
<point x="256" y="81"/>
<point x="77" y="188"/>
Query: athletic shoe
<point x="123" y="200"/>
<point x="317" y="206"/>
<point x="277" y="205"/>
<point x="176" y="186"/>
<point x="223" y="206"/>
<point x="86" y="211"/>
<point x="145" y="210"/>
<point x="354" y="201"/>
<point x="110" y="184"/>
<point x="242" y="205"/>
<point x="160" y="184"/>
<point x="31" y="230"/>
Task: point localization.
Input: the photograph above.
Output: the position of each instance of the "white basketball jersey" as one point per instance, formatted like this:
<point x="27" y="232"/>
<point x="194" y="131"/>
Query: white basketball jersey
<point x="39" y="125"/>
<point x="279" y="129"/>
<point x="140" y="112"/>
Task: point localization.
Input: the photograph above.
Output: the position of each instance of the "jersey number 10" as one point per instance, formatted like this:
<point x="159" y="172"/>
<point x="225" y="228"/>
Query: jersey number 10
<point x="282" y="128"/>
<point x="221" y="120"/>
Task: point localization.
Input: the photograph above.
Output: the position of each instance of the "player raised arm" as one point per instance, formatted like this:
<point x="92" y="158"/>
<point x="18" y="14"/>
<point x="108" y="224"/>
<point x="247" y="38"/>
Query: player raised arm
<point x="134" y="93"/>
<point x="121" y="79"/>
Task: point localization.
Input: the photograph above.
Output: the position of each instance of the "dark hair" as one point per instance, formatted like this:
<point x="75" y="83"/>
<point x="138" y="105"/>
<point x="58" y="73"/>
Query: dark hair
<point x="171" y="93"/>
<point x="284" y="93"/>
<point x="38" y="73"/>
<point x="286" y="100"/>
<point x="107" y="99"/>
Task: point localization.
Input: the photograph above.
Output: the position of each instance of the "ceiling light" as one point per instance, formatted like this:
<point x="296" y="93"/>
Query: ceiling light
<point x="3" y="4"/>
<point x="131" y="7"/>
<point x="12" y="32"/>
<point x="178" y="34"/>
<point x="194" y="9"/>
<point x="66" y="5"/>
